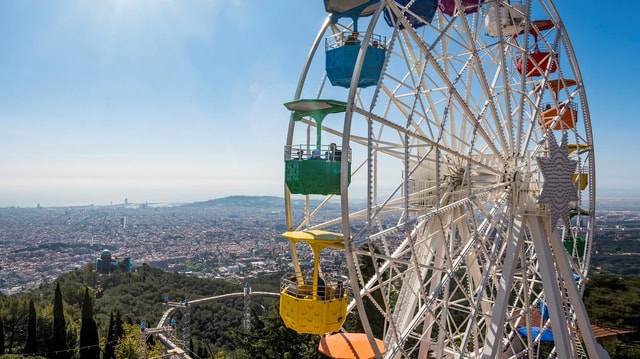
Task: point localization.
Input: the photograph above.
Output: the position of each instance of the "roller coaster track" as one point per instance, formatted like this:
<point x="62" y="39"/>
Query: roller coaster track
<point x="159" y="330"/>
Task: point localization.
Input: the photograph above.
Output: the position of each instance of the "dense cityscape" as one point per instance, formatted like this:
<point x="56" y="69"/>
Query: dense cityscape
<point x="225" y="238"/>
<point x="232" y="237"/>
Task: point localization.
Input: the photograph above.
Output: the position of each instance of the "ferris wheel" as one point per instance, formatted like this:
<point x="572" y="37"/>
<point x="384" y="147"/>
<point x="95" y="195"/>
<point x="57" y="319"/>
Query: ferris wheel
<point x="454" y="137"/>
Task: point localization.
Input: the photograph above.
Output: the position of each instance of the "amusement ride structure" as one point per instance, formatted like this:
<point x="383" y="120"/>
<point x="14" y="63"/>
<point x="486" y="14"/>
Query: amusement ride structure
<point x="455" y="136"/>
<point x="166" y="329"/>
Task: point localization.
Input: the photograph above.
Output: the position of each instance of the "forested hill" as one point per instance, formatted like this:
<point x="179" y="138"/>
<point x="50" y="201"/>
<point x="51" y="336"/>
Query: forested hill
<point x="241" y="201"/>
<point x="215" y="328"/>
<point x="262" y="202"/>
<point x="137" y="297"/>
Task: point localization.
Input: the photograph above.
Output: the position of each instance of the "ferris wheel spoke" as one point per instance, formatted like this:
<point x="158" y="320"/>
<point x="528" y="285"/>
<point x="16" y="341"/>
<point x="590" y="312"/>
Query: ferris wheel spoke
<point x="432" y="143"/>
<point x="445" y="90"/>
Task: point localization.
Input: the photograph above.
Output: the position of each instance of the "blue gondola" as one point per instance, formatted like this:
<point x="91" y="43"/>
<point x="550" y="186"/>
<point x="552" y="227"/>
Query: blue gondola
<point x="424" y="11"/>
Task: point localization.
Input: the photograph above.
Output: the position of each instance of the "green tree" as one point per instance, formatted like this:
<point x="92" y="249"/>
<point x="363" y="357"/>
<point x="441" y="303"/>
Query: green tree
<point x="89" y="340"/>
<point x="1" y="337"/>
<point x="60" y="345"/>
<point x="110" y="346"/>
<point x="129" y="345"/>
<point x="202" y="352"/>
<point x="118" y="330"/>
<point x="14" y="311"/>
<point x="374" y="315"/>
<point x="269" y="338"/>
<point x="31" y="346"/>
<point x="44" y="324"/>
<point x="613" y="301"/>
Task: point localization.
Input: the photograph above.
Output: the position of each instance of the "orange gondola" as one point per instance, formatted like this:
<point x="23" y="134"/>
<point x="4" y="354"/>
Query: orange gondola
<point x="349" y="346"/>
<point x="562" y="117"/>
<point x="539" y="63"/>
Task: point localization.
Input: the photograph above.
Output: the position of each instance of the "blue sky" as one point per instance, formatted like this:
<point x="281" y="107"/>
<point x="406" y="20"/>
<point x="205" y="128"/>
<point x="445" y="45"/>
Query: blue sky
<point x="181" y="100"/>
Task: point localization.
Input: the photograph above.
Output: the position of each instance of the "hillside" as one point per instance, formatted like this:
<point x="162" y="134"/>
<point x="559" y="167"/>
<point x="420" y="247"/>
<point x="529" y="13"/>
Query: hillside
<point x="263" y="202"/>
<point x="139" y="296"/>
<point x="216" y="327"/>
<point x="267" y="202"/>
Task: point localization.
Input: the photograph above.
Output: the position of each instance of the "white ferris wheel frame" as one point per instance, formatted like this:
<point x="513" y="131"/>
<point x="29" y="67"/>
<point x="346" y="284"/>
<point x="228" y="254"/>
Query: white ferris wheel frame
<point x="528" y="223"/>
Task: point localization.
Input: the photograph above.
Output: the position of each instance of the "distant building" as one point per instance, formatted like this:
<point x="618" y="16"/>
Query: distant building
<point x="107" y="263"/>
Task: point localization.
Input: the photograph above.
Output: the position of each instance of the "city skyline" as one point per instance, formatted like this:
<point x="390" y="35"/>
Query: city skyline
<point x="169" y="101"/>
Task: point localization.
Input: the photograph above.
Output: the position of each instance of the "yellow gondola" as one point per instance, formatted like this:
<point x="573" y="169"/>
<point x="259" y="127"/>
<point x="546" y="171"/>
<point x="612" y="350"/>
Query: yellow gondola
<point x="580" y="180"/>
<point x="572" y="147"/>
<point x="311" y="304"/>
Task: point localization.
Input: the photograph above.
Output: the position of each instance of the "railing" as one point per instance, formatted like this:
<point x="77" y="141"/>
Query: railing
<point x="565" y="104"/>
<point x="353" y="38"/>
<point x="310" y="152"/>
<point x="329" y="289"/>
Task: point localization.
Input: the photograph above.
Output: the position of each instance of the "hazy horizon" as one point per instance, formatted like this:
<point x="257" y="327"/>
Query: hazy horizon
<point x="174" y="101"/>
<point x="605" y="198"/>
